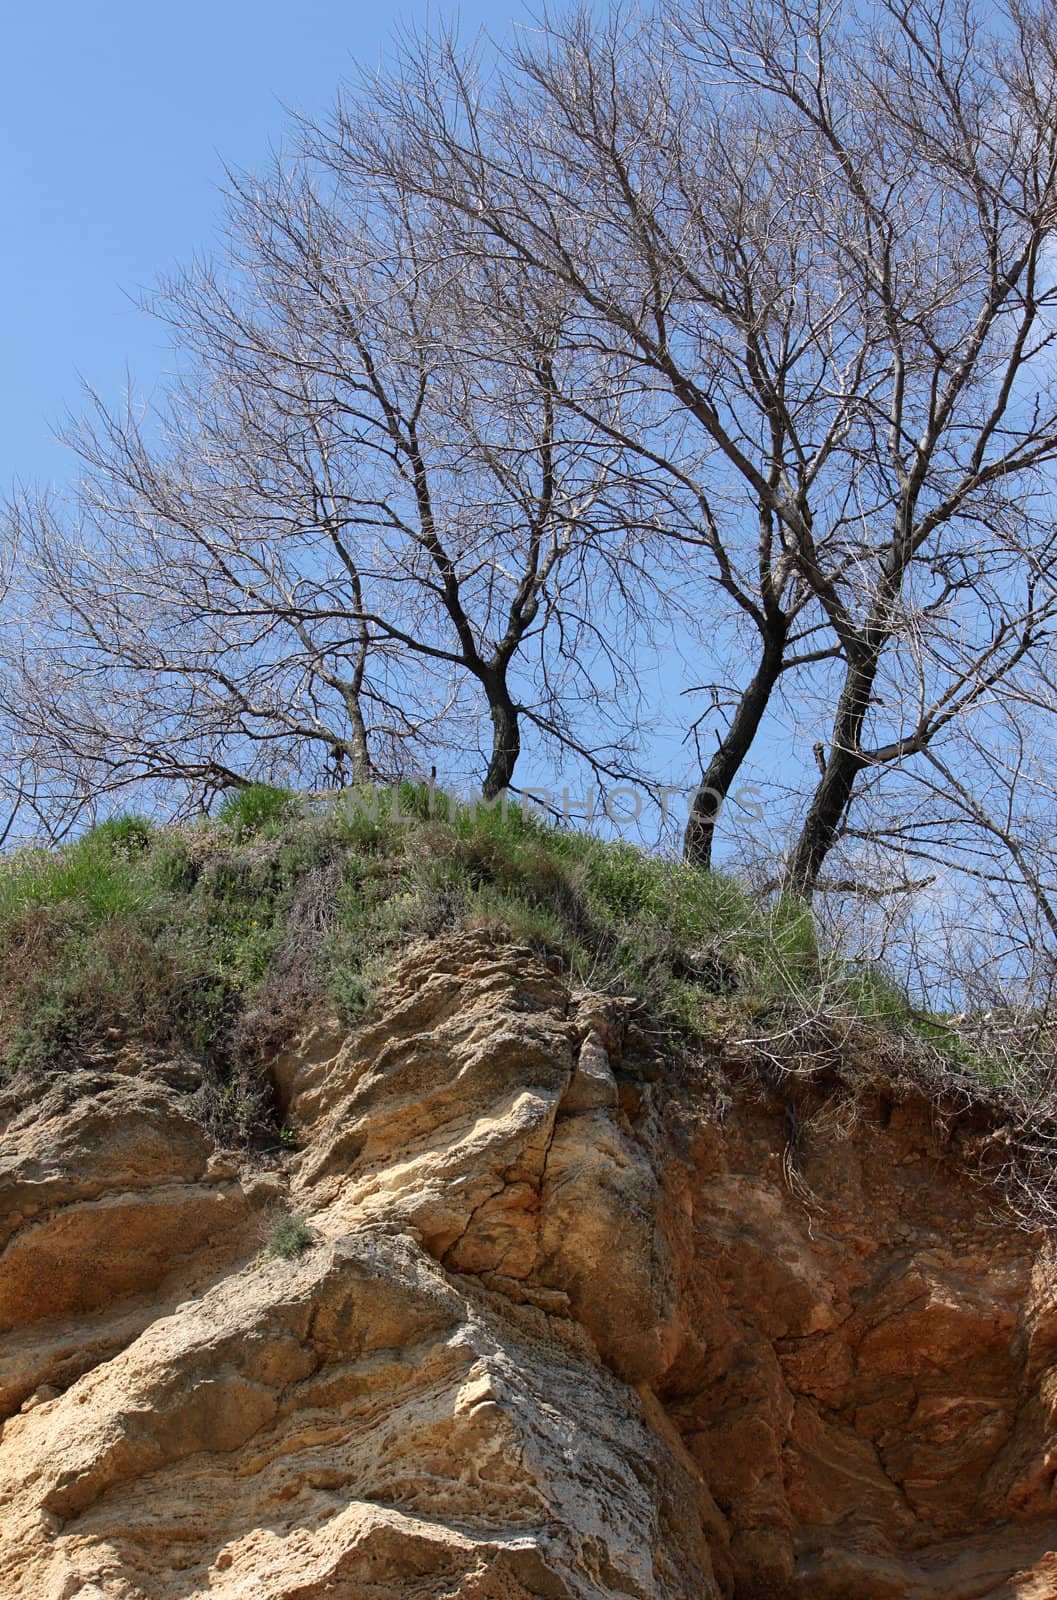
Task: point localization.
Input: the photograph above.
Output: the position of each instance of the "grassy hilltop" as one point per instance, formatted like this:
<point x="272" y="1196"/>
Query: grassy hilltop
<point x="221" y="937"/>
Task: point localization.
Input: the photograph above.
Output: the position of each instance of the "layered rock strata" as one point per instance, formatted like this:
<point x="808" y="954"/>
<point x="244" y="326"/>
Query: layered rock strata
<point x="561" y="1331"/>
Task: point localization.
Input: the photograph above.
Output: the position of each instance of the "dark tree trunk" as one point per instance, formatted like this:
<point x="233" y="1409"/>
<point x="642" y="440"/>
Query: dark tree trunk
<point x="719" y="775"/>
<point x="506" y="739"/>
<point x="831" y="798"/>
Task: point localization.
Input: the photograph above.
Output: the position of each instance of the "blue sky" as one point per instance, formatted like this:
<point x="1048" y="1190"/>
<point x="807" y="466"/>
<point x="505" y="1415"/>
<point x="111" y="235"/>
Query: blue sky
<point x="116" y="118"/>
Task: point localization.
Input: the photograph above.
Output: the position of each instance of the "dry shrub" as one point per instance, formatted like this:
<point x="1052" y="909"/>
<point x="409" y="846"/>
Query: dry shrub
<point x="30" y="951"/>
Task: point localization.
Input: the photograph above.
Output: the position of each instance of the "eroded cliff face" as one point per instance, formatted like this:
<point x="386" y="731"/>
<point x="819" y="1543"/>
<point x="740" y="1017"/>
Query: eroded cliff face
<point x="563" y="1332"/>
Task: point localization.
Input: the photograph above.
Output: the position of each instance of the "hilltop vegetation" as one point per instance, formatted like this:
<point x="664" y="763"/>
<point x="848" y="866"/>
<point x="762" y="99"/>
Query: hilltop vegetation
<point x="220" y="938"/>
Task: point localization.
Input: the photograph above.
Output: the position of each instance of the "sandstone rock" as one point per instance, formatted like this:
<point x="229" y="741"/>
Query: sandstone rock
<point x="540" y="1347"/>
<point x="352" y="1419"/>
<point x="476" y="1115"/>
<point x="104" y="1185"/>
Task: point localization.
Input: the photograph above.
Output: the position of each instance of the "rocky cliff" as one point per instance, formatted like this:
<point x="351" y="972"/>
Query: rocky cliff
<point x="566" y="1327"/>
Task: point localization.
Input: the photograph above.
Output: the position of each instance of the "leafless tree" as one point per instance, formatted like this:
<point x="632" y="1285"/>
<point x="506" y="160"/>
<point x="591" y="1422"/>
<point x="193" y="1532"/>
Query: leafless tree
<point x="818" y="236"/>
<point x="934" y="134"/>
<point x="361" y="506"/>
<point x="596" y="164"/>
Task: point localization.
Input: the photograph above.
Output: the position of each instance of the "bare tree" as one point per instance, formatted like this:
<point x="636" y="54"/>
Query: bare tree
<point x="596" y="164"/>
<point x="935" y="141"/>
<point x="361" y="506"/>
<point x="818" y="238"/>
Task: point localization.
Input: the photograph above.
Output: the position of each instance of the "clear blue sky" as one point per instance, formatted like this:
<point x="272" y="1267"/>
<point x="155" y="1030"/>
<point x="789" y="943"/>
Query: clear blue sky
<point x="115" y="120"/>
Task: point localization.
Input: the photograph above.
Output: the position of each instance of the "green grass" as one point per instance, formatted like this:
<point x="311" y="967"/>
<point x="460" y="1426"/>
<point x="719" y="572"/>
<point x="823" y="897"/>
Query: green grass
<point x="257" y="808"/>
<point x="96" y="874"/>
<point x="289" y="1238"/>
<point x="220" y="938"/>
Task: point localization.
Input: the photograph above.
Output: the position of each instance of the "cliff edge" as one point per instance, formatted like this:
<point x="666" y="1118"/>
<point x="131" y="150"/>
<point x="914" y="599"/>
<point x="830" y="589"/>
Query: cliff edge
<point x="562" y="1327"/>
